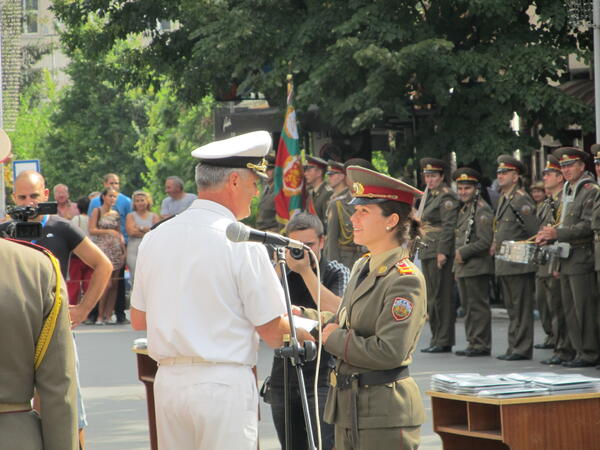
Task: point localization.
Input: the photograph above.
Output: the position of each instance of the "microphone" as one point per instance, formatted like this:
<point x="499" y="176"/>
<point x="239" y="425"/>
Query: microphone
<point x="238" y="232"/>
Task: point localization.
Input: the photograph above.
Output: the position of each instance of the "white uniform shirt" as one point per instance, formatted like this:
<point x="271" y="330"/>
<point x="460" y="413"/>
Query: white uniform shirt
<point x="204" y="295"/>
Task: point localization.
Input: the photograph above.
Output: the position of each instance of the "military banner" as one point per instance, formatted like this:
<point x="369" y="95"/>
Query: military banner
<point x="288" y="177"/>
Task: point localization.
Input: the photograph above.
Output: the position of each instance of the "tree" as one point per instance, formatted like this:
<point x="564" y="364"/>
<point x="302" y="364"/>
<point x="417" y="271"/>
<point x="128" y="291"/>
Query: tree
<point x="459" y="68"/>
<point x="165" y="145"/>
<point x="95" y="130"/>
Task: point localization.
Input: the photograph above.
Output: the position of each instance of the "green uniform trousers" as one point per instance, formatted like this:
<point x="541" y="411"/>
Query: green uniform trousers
<point x="402" y="438"/>
<point x="517" y="293"/>
<point x="562" y="345"/>
<point x="579" y="299"/>
<point x="474" y="296"/>
<point x="542" y="305"/>
<point x="441" y="310"/>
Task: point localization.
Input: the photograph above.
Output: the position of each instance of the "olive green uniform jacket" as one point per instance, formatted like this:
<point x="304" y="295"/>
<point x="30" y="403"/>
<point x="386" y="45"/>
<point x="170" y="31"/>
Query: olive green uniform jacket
<point x="576" y="229"/>
<point x="473" y="240"/>
<point x="380" y="323"/>
<point x="439" y="217"/>
<point x="318" y="200"/>
<point x="340" y="244"/>
<point x="596" y="230"/>
<point x="515" y="220"/>
<point x="266" y="217"/>
<point x="28" y="284"/>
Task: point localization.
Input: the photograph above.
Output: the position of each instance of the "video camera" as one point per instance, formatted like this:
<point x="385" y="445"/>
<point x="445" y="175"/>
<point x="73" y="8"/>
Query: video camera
<point x="20" y="227"/>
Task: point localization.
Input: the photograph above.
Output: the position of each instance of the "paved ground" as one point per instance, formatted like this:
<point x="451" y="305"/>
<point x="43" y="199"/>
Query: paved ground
<point x="116" y="401"/>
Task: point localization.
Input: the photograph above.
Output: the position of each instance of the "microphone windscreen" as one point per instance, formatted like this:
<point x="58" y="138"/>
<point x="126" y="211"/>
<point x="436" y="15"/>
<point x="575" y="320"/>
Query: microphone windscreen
<point x="237" y="232"/>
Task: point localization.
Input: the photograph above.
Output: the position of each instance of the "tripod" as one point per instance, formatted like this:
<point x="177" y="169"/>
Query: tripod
<point x="297" y="355"/>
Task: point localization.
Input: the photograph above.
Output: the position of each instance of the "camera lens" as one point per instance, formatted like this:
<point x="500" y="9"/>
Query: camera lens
<point x="297" y="253"/>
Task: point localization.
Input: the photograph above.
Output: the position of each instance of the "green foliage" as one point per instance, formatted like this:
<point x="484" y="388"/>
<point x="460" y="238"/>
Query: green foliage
<point x="172" y="132"/>
<point x="459" y="68"/>
<point x="37" y="104"/>
<point x="94" y="132"/>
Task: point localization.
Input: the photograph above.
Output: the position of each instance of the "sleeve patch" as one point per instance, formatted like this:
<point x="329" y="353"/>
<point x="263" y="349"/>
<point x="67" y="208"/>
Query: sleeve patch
<point x="448" y="204"/>
<point x="402" y="309"/>
<point x="404" y="268"/>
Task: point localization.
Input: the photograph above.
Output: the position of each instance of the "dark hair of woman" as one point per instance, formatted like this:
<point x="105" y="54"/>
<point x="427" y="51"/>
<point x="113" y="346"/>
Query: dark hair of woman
<point x="82" y="204"/>
<point x="104" y="192"/>
<point x="408" y="227"/>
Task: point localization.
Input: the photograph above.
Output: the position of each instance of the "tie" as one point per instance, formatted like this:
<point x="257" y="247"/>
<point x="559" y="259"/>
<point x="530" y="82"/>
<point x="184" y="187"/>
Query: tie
<point x="363" y="274"/>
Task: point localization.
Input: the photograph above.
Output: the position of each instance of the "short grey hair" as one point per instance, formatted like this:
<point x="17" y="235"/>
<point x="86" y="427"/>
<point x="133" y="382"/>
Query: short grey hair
<point x="178" y="181"/>
<point x="209" y="177"/>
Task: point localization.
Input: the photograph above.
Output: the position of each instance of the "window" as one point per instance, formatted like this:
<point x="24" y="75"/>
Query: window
<point x="30" y="16"/>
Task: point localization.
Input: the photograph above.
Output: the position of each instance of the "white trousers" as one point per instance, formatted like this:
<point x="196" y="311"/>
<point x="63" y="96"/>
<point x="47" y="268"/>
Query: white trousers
<point x="206" y="407"/>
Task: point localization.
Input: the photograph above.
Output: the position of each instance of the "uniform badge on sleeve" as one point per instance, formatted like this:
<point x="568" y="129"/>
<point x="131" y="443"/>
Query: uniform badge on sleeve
<point x="448" y="204"/>
<point x="402" y="309"/>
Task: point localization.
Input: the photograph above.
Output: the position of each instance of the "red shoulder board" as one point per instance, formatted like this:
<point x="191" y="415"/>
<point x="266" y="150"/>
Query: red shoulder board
<point x="404" y="268"/>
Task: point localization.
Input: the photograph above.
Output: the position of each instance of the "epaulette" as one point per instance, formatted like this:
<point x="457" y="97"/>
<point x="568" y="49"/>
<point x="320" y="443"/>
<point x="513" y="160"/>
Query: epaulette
<point x="520" y="191"/>
<point x="590" y="185"/>
<point x="404" y="268"/>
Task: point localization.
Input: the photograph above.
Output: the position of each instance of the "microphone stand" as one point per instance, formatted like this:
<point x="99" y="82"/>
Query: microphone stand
<point x="297" y="355"/>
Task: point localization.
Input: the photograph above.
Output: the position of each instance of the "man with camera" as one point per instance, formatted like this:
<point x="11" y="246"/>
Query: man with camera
<point x="304" y="286"/>
<point x="577" y="280"/>
<point x="63" y="238"/>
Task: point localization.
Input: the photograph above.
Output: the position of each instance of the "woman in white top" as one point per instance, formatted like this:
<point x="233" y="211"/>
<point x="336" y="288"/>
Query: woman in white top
<point x="137" y="224"/>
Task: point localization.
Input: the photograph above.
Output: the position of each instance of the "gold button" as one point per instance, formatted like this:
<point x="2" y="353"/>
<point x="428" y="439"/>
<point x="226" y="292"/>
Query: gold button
<point x="382" y="269"/>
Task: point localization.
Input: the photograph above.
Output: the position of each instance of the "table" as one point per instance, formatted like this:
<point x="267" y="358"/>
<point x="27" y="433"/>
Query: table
<point x="550" y="422"/>
<point x="147" y="368"/>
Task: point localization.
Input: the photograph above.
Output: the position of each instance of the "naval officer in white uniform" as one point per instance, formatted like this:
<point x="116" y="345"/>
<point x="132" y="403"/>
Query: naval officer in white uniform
<point x="205" y="301"/>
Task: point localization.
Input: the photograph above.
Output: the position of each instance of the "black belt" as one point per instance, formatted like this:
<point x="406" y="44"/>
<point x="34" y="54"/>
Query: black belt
<point x="356" y="380"/>
<point x="372" y="378"/>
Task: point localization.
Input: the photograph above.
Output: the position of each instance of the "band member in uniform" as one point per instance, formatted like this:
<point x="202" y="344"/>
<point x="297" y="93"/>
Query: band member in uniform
<point x="34" y="298"/>
<point x="222" y="296"/>
<point x="473" y="264"/>
<point x="577" y="280"/>
<point x="537" y="192"/>
<point x="547" y="281"/>
<point x="319" y="192"/>
<point x="266" y="217"/>
<point x="436" y="254"/>
<point x="340" y="244"/>
<point x="373" y="402"/>
<point x="515" y="220"/>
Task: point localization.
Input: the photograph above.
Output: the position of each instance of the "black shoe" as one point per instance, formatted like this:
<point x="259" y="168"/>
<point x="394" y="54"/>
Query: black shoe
<point x="543" y="346"/>
<point x="462" y="352"/>
<point x="426" y="349"/>
<point x="578" y="363"/>
<point x="439" y="349"/>
<point x="554" y="361"/>
<point x="516" y="357"/>
<point x="123" y="321"/>
<point x="503" y="357"/>
<point x="475" y="352"/>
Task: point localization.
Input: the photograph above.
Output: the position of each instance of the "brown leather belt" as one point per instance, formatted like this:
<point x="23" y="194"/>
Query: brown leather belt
<point x="7" y="408"/>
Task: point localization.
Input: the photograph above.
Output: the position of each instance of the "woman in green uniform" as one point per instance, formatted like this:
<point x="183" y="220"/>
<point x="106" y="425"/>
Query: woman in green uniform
<point x="372" y="401"/>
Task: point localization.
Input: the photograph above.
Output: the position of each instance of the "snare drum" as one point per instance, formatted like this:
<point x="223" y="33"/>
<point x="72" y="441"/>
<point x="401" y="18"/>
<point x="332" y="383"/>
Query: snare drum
<point x="520" y="252"/>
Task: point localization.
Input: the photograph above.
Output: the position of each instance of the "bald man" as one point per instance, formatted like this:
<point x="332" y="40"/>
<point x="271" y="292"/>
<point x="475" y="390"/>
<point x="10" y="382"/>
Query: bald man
<point x="62" y="238"/>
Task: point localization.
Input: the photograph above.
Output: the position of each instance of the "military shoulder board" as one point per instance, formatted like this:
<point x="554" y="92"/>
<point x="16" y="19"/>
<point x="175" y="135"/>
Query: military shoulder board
<point x="404" y="268"/>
